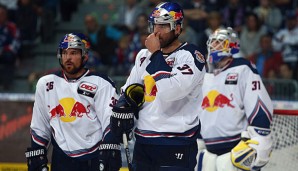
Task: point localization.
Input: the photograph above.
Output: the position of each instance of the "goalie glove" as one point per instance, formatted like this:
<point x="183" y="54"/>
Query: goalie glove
<point x="253" y="151"/>
<point x="37" y="159"/>
<point x="127" y="107"/>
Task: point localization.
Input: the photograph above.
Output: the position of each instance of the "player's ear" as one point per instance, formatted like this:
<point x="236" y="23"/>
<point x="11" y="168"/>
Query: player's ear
<point x="178" y="29"/>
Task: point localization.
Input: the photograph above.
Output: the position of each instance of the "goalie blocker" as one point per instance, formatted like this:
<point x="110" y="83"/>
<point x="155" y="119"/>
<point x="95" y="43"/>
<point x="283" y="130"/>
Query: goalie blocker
<point x="127" y="107"/>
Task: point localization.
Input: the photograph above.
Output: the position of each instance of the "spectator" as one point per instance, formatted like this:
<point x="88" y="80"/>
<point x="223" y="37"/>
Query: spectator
<point x="195" y="12"/>
<point x="214" y="22"/>
<point x="9" y="48"/>
<point x="26" y="20"/>
<point x="188" y="34"/>
<point x="47" y="10"/>
<point x="269" y="15"/>
<point x="67" y="8"/>
<point x="121" y="64"/>
<point x="251" y="34"/>
<point x="285" y="71"/>
<point x="138" y="35"/>
<point x="12" y="7"/>
<point x="267" y="61"/>
<point x="233" y="15"/>
<point x="128" y="13"/>
<point x="103" y="39"/>
<point x="286" y="40"/>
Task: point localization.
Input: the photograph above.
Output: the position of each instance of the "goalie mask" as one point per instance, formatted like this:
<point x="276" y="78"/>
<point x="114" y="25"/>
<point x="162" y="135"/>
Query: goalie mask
<point x="75" y="41"/>
<point x="166" y="13"/>
<point x="221" y="44"/>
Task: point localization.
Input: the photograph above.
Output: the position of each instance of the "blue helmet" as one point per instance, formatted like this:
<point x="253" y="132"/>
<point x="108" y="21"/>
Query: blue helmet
<point x="76" y="41"/>
<point x="166" y="13"/>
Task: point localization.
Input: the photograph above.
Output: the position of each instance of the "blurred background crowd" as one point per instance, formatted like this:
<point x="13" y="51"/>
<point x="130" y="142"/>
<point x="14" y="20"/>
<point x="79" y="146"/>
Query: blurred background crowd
<point x="30" y="31"/>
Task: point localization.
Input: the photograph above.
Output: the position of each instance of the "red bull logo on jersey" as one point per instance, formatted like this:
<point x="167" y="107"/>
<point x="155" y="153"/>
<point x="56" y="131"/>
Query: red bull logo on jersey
<point x="68" y="110"/>
<point x="150" y="88"/>
<point x="215" y="100"/>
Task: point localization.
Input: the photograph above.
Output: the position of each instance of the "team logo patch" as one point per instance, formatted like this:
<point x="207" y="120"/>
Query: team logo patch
<point x="171" y="62"/>
<point x="87" y="89"/>
<point x="232" y="78"/>
<point x="199" y="57"/>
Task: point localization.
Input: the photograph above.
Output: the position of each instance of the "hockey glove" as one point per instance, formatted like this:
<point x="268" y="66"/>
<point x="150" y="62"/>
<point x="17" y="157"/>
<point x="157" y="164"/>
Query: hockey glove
<point x="37" y="159"/>
<point x="253" y="152"/>
<point x="109" y="157"/>
<point x="128" y="105"/>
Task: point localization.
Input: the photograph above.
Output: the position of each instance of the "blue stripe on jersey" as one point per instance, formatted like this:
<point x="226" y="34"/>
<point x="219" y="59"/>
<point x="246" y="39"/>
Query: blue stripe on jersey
<point x="158" y="63"/>
<point x="161" y="75"/>
<point x="241" y="61"/>
<point x="219" y="140"/>
<point x="221" y="145"/>
<point x="260" y="116"/>
<point x="167" y="138"/>
<point x="37" y="140"/>
<point x="82" y="154"/>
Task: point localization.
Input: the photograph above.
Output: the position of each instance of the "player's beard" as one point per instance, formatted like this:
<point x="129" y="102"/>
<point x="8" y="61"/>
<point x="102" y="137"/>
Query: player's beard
<point x="72" y="69"/>
<point x="167" y="42"/>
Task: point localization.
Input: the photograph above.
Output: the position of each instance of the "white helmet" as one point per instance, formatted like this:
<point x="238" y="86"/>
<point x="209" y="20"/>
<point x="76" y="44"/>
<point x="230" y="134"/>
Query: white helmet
<point x="222" y="43"/>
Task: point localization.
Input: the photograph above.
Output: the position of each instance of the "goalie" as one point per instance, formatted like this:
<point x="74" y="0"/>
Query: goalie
<point x="236" y="110"/>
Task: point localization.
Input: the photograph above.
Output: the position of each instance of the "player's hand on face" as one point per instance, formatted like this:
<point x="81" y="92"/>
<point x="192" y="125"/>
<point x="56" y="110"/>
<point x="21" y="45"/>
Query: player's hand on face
<point x="152" y="42"/>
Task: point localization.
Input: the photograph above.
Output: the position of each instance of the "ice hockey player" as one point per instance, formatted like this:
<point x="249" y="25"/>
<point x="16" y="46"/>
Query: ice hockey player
<point x="236" y="110"/>
<point x="72" y="112"/>
<point x="167" y="125"/>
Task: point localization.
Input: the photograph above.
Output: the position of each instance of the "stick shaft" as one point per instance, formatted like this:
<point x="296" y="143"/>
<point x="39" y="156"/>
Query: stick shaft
<point x="127" y="153"/>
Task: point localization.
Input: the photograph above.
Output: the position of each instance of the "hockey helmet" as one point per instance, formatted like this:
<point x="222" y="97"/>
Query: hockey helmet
<point x="222" y="43"/>
<point x="166" y="13"/>
<point x="76" y="41"/>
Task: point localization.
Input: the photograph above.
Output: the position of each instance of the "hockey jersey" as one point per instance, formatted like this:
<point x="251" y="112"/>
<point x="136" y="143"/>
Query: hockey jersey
<point x="75" y="113"/>
<point x="232" y="100"/>
<point x="172" y="89"/>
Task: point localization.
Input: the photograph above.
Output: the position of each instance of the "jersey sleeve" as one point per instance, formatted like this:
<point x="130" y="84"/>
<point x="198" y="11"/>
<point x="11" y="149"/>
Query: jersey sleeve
<point x="174" y="83"/>
<point x="40" y="124"/>
<point x="257" y="103"/>
<point x="104" y="100"/>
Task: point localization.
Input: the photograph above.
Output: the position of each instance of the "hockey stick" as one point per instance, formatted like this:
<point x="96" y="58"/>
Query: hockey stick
<point x="127" y="153"/>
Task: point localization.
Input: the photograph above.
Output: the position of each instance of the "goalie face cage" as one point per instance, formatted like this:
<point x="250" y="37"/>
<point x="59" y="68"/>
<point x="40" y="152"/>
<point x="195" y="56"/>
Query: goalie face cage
<point x="285" y="141"/>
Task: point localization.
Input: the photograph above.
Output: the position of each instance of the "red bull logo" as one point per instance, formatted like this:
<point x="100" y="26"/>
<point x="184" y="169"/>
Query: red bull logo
<point x="68" y="110"/>
<point x="214" y="100"/>
<point x="156" y="13"/>
<point x="176" y="15"/>
<point x="150" y="88"/>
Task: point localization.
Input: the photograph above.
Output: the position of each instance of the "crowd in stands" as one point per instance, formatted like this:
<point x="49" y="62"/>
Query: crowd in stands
<point x="268" y="30"/>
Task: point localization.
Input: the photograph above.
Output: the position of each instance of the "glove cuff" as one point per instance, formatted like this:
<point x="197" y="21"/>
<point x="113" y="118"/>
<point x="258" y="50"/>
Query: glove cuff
<point x="35" y="152"/>
<point x="109" y="147"/>
<point x="122" y="113"/>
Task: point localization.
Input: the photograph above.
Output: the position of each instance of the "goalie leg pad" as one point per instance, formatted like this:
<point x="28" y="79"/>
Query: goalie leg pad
<point x="224" y="163"/>
<point x="208" y="161"/>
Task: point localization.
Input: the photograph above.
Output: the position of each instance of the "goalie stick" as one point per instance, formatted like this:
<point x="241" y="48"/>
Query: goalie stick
<point x="127" y="153"/>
